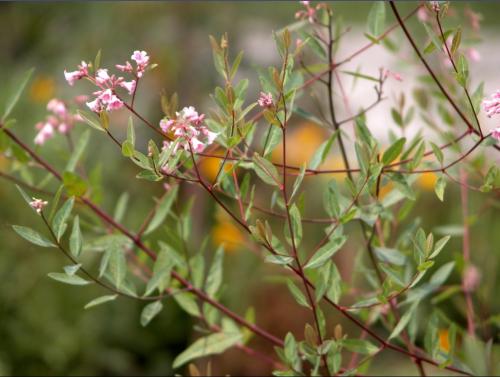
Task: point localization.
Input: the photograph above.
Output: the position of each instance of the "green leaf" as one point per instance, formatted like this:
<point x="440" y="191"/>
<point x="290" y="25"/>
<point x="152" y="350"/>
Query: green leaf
<point x="320" y="155"/>
<point x="17" y="94"/>
<point x="393" y="151"/>
<point x="75" y="186"/>
<point x="214" y="277"/>
<point x="297" y="294"/>
<point x="90" y="119"/>
<point x="121" y="207"/>
<point x="439" y="246"/>
<point x="462" y="74"/>
<point x="162" y="210"/>
<point x="25" y="196"/>
<point x="457" y="38"/>
<point x="59" y="223"/>
<point x="187" y="301"/>
<point x="376" y="18"/>
<point x="266" y="170"/>
<point x="439" y="187"/>
<point x="68" y="279"/>
<point x="326" y="252"/>
<point x="100" y="300"/>
<point x="32" y="236"/>
<point x="391" y="256"/>
<point x="72" y="269"/>
<point x="80" y="147"/>
<point x="150" y="311"/>
<point x="434" y="40"/>
<point x="117" y="263"/>
<point x="360" y="346"/>
<point x="296" y="221"/>
<point x="210" y="345"/>
<point x="439" y="277"/>
<point x="127" y="149"/>
<point x="437" y="152"/>
<point x="75" y="239"/>
<point x="272" y="140"/>
<point x="403" y="322"/>
<point x="161" y="272"/>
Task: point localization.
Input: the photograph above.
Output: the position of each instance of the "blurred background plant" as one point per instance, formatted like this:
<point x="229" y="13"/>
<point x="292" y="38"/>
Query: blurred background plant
<point x="43" y="328"/>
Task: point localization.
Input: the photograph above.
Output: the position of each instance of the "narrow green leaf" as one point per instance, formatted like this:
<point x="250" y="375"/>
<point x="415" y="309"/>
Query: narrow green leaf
<point x="214" y="277"/>
<point x="80" y="147"/>
<point x="376" y="18"/>
<point x="128" y="149"/>
<point x="59" y="223"/>
<point x="117" y="264"/>
<point x="210" y="345"/>
<point x="360" y="346"/>
<point x="121" y="207"/>
<point x="17" y="94"/>
<point x="297" y="294"/>
<point x="90" y="119"/>
<point x="440" y="187"/>
<point x="393" y="151"/>
<point x="322" y="152"/>
<point x="75" y="239"/>
<point x="266" y="170"/>
<point x="403" y="322"/>
<point x="100" y="300"/>
<point x="326" y="252"/>
<point x="439" y="246"/>
<point x="296" y="220"/>
<point x="32" y="236"/>
<point x="161" y="272"/>
<point x="68" y="279"/>
<point x="150" y="311"/>
<point x="457" y="38"/>
<point x="162" y="210"/>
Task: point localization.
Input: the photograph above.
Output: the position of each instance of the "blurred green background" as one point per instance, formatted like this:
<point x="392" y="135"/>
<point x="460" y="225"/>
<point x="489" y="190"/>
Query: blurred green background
<point x="43" y="327"/>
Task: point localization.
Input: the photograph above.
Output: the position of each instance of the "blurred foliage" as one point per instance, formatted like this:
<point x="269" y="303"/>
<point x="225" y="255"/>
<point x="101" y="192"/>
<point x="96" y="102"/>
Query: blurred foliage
<point x="43" y="328"/>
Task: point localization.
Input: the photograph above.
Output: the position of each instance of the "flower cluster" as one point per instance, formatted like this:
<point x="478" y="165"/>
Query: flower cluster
<point x="60" y="119"/>
<point x="309" y="12"/>
<point x="105" y="97"/>
<point x="265" y="100"/>
<point x="38" y="204"/>
<point x="189" y="129"/>
<point x="492" y="105"/>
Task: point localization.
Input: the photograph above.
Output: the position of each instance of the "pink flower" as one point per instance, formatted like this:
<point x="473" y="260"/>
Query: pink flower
<point x="435" y="6"/>
<point x="265" y="100"/>
<point x="473" y="54"/>
<point x="308" y="13"/>
<point x="73" y="76"/>
<point x="95" y="105"/>
<point x="492" y="105"/>
<point x="140" y="57"/>
<point x="125" y="68"/>
<point x="166" y="124"/>
<point x="114" y="104"/>
<point x="422" y="14"/>
<point x="396" y="76"/>
<point x="471" y="278"/>
<point x="57" y="107"/>
<point x="46" y="132"/>
<point x="38" y="204"/>
<point x="495" y="134"/>
<point x="102" y="76"/>
<point x="129" y="86"/>
<point x="189" y="129"/>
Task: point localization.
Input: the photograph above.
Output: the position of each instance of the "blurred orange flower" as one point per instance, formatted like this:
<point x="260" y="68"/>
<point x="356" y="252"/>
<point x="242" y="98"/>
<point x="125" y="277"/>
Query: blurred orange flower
<point x="42" y="89"/>
<point x="226" y="232"/>
<point x="301" y="144"/>
<point x="444" y="342"/>
<point x="427" y="181"/>
<point x="210" y="166"/>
